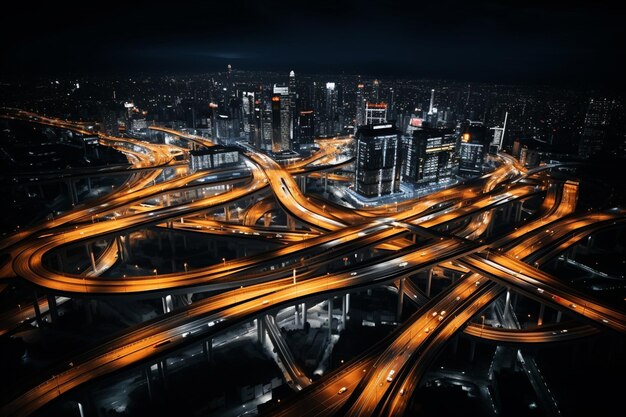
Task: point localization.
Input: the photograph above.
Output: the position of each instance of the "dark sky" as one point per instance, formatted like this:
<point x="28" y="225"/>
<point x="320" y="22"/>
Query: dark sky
<point x="536" y="42"/>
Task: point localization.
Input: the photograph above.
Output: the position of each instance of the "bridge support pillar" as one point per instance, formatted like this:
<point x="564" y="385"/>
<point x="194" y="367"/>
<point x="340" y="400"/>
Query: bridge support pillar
<point x="325" y="184"/>
<point x="472" y="351"/>
<point x="330" y="317"/>
<point x="89" y="184"/>
<point x="226" y="213"/>
<point x="148" y="374"/>
<point x="297" y="315"/>
<point x="260" y="330"/>
<point x="348" y="303"/>
<point x="37" y="310"/>
<point x="120" y="248"/>
<point x="518" y="212"/>
<point x="207" y="349"/>
<point x="304" y="314"/>
<point x="168" y="304"/>
<point x="542" y="309"/>
<point x="400" y="286"/>
<point x="558" y="316"/>
<point x="343" y="312"/>
<point x="52" y="306"/>
<point x="507" y="303"/>
<point x="429" y="282"/>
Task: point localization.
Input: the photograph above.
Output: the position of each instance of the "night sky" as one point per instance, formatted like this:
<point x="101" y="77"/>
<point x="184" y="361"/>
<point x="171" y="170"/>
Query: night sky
<point x="494" y="41"/>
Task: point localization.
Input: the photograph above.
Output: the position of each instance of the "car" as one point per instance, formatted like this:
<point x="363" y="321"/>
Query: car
<point x="390" y="376"/>
<point x="434" y="314"/>
<point x="342" y="390"/>
<point x="402" y="264"/>
<point x="352" y="273"/>
<point x="265" y="302"/>
<point x="402" y="391"/>
<point x="426" y="330"/>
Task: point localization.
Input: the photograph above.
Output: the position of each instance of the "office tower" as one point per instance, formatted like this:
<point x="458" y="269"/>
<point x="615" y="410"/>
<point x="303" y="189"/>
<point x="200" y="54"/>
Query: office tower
<point x="281" y="119"/>
<point x="266" y="126"/>
<point x="429" y="157"/>
<point x="375" y="113"/>
<point x="597" y="127"/>
<point x="109" y="123"/>
<point x="247" y="107"/>
<point x="375" y="91"/>
<point x="256" y="126"/>
<point x="432" y="101"/>
<point x="378" y="160"/>
<point x="306" y="129"/>
<point x="331" y="117"/>
<point x="359" y="119"/>
<point x="474" y="144"/>
<point x="529" y="158"/>
<point x="293" y="109"/>
<point x="498" y="135"/>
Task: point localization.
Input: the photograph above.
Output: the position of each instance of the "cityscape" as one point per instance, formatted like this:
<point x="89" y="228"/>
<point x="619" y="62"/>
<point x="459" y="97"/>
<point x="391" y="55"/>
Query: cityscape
<point x="360" y="210"/>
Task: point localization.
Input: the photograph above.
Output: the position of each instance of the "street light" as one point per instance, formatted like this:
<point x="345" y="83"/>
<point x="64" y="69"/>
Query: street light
<point x="156" y="274"/>
<point x="185" y="265"/>
<point x="224" y="260"/>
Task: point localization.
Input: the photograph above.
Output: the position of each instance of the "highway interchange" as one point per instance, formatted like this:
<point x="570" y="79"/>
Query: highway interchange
<point x="448" y="227"/>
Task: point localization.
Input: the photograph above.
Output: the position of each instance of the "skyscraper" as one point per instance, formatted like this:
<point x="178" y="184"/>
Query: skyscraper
<point x="429" y="156"/>
<point x="293" y="110"/>
<point x="375" y="113"/>
<point x="306" y="129"/>
<point x="378" y="161"/>
<point x="474" y="144"/>
<point x="596" y="127"/>
<point x="281" y="119"/>
<point x="359" y="119"/>
<point x="331" y="116"/>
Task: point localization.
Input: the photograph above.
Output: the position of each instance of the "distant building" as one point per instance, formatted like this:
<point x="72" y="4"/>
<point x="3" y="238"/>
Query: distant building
<point x="281" y="119"/>
<point x="375" y="113"/>
<point x="360" y="106"/>
<point x="473" y="146"/>
<point x="378" y="160"/>
<point x="109" y="124"/>
<point x="306" y="129"/>
<point x="213" y="157"/>
<point x="529" y="158"/>
<point x="596" y="127"/>
<point x="429" y="157"/>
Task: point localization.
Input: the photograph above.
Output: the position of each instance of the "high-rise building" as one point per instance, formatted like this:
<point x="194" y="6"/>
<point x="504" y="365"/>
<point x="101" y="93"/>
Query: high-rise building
<point x="266" y="126"/>
<point x="306" y="129"/>
<point x="596" y="127"/>
<point x="293" y="108"/>
<point x="378" y="160"/>
<point x="281" y="119"/>
<point x="375" y="113"/>
<point x="429" y="157"/>
<point x="359" y="119"/>
<point x="330" y="115"/>
<point x="473" y="146"/>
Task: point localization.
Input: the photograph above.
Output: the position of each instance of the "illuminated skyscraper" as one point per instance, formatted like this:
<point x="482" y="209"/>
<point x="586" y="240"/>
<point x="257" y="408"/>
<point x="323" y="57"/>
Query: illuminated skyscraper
<point x="429" y="157"/>
<point x="281" y="119"/>
<point x="375" y="113"/>
<point x="474" y="144"/>
<point x="378" y="160"/>
<point x="306" y="129"/>
<point x="360" y="106"/>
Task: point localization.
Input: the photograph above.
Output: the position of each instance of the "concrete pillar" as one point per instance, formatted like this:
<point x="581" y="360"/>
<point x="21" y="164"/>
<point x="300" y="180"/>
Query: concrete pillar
<point x="260" y="330"/>
<point x="52" y="306"/>
<point x="37" y="310"/>
<point x="128" y="247"/>
<point x="542" y="310"/>
<point x="120" y="248"/>
<point x="343" y="312"/>
<point x="558" y="316"/>
<point x="70" y="191"/>
<point x="304" y="314"/>
<point x="81" y="410"/>
<point x="507" y="303"/>
<point x="400" y="286"/>
<point x="518" y="212"/>
<point x="325" y="182"/>
<point x="89" y="184"/>
<point x="472" y="351"/>
<point x="148" y="374"/>
<point x="429" y="282"/>
<point x="207" y="349"/>
<point x="330" y="316"/>
<point x="226" y="213"/>
<point x="297" y="314"/>
<point x="348" y="303"/>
